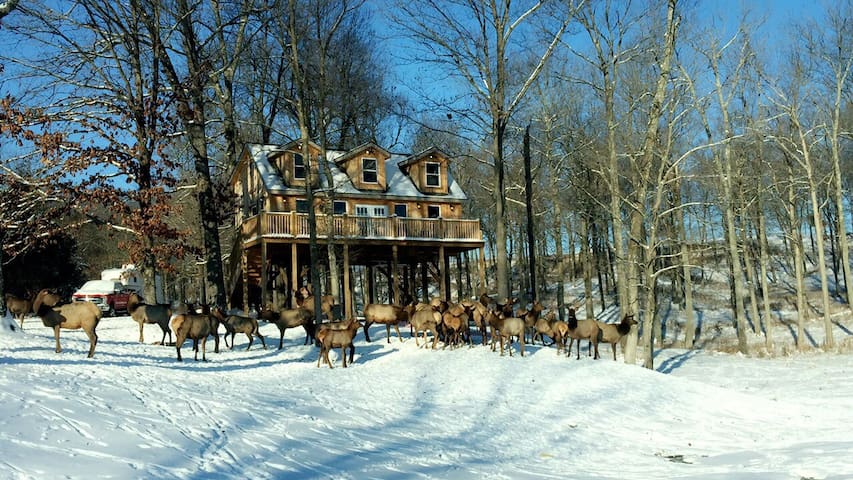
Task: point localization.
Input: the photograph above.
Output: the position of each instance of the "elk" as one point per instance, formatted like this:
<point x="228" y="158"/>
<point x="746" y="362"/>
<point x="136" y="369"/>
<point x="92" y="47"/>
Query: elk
<point x="479" y="314"/>
<point x="330" y="338"/>
<point x="580" y="330"/>
<point x="424" y="318"/>
<point x="613" y="333"/>
<point x="486" y="300"/>
<point x="549" y="326"/>
<point x="194" y="326"/>
<point x="530" y="317"/>
<point x="235" y="324"/>
<point x="455" y="320"/>
<point x="71" y="316"/>
<point x="19" y="307"/>
<point x="305" y="299"/>
<point x="143" y="313"/>
<point x="384" y="314"/>
<point x="290" y="318"/>
<point x="508" y="306"/>
<point x="506" y="328"/>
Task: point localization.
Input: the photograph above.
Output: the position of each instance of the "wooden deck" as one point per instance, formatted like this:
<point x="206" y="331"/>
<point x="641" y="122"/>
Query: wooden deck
<point x="294" y="226"/>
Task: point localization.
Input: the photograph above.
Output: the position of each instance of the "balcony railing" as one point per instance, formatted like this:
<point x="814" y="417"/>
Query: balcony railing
<point x="295" y="225"/>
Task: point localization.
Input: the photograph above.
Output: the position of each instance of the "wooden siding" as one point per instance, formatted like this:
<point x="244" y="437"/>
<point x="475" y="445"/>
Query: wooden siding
<point x="284" y="163"/>
<point x="353" y="164"/>
<point x="295" y="226"/>
<point x="417" y="172"/>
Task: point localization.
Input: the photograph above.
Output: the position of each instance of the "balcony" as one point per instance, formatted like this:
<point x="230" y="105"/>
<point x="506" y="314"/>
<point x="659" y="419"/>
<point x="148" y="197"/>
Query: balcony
<point x="292" y="225"/>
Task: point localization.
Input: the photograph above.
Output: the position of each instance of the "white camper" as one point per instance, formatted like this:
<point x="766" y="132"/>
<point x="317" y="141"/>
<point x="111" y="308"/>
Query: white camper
<point x="129" y="276"/>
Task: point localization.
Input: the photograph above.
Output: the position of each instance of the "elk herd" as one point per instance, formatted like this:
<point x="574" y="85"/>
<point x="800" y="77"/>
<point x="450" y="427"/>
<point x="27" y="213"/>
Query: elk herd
<point x="452" y="324"/>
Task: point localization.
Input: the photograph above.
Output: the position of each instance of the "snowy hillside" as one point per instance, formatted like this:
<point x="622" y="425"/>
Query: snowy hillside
<point x="402" y="412"/>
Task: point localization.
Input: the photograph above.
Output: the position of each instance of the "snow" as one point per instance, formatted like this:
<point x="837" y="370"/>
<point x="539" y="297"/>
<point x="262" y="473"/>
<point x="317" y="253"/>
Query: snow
<point x="400" y="411"/>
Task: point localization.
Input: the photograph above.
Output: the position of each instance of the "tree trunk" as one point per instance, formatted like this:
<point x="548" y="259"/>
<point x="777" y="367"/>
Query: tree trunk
<point x="796" y="236"/>
<point x="829" y="340"/>
<point x="528" y="194"/>
<point x="764" y="260"/>
<point x="587" y="264"/>
<point x="501" y="260"/>
<point x="558" y="254"/>
<point x="750" y="274"/>
<point x="652" y="137"/>
<point x="690" y="318"/>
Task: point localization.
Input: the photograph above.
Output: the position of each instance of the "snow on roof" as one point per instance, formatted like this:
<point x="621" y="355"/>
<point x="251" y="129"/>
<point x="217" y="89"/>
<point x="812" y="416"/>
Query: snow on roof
<point x="399" y="184"/>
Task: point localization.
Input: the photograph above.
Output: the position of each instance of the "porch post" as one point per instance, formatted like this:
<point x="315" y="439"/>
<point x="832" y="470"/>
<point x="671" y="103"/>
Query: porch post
<point x="244" y="267"/>
<point x="442" y="269"/>
<point x="346" y="296"/>
<point x="424" y="281"/>
<point x="371" y="298"/>
<point x="395" y="283"/>
<point x="294" y="265"/>
<point x="459" y="286"/>
<point x="446" y="278"/>
<point x="264" y="273"/>
<point x="481" y="265"/>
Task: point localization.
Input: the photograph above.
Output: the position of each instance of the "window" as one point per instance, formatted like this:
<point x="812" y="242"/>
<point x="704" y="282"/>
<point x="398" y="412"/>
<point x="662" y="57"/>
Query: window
<point x="433" y="211"/>
<point x="298" y="167"/>
<point x="433" y="174"/>
<point x="369" y="173"/>
<point x="401" y="210"/>
<point x="256" y="206"/>
<point x="340" y="207"/>
<point x="371" y="210"/>
<point x="302" y="206"/>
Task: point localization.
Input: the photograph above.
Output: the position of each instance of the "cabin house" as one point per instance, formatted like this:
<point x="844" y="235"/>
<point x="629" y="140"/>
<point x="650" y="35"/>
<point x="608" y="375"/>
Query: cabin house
<point x="388" y="214"/>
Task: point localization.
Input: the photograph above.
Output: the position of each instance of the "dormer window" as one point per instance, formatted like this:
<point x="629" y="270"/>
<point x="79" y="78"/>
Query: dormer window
<point x="433" y="174"/>
<point x="298" y="167"/>
<point x="369" y="173"/>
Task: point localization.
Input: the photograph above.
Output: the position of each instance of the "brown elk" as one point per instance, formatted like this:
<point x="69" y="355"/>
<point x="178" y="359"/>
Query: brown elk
<point x="305" y="299"/>
<point x="455" y="321"/>
<point x="551" y="327"/>
<point x="235" y="324"/>
<point x="342" y="338"/>
<point x="19" y="307"/>
<point x="530" y="317"/>
<point x="384" y="314"/>
<point x="580" y="330"/>
<point x="193" y="326"/>
<point x="508" y="327"/>
<point x="143" y="313"/>
<point x="479" y="314"/>
<point x="424" y="318"/>
<point x="71" y="316"/>
<point x="613" y="333"/>
<point x="290" y="318"/>
<point x="508" y="306"/>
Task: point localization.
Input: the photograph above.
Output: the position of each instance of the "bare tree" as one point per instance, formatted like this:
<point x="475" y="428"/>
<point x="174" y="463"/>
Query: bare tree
<point x="472" y="41"/>
<point x="830" y="44"/>
<point x="301" y="105"/>
<point x="179" y="45"/>
<point x="607" y="31"/>
<point x="726" y="85"/>
<point x="803" y="131"/>
<point x="102" y="51"/>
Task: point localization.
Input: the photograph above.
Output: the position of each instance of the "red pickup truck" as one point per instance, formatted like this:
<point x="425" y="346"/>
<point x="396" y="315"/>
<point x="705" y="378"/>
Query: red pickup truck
<point x="110" y="297"/>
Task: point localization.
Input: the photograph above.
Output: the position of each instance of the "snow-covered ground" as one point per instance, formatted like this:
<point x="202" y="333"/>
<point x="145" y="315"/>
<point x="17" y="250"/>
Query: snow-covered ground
<point x="399" y="411"/>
